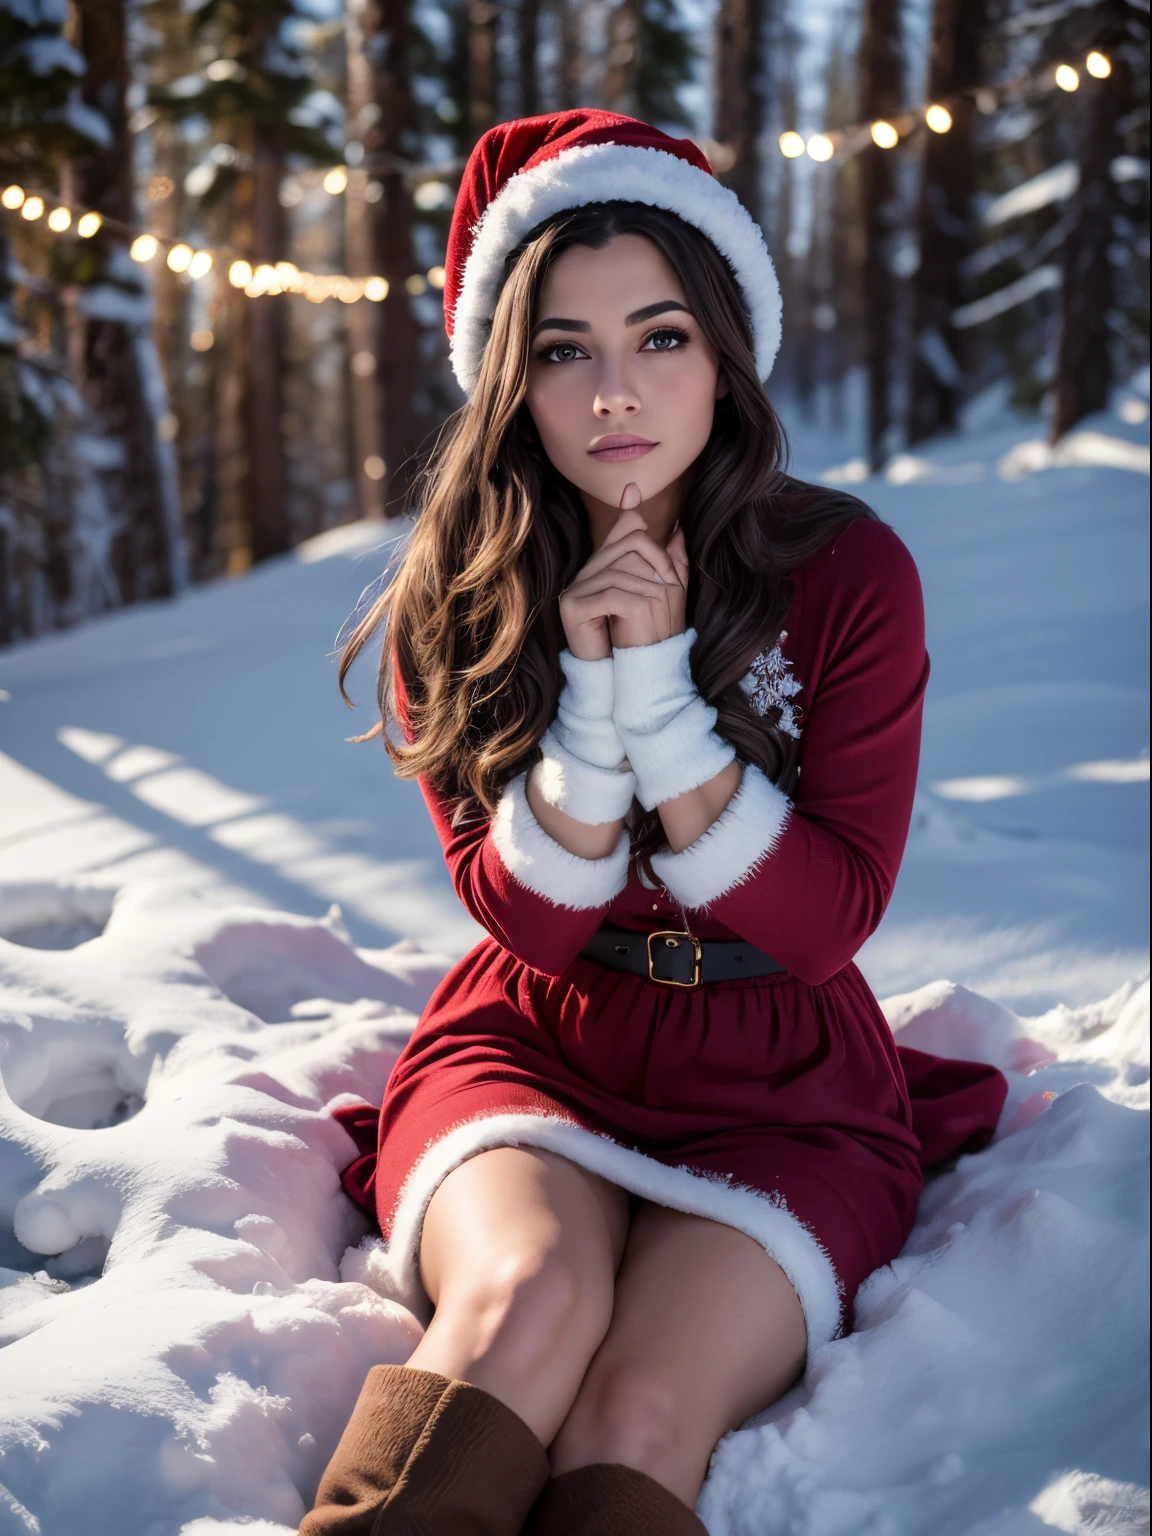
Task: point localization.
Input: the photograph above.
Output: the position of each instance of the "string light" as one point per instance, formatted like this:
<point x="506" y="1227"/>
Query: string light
<point x="437" y="277"/>
<point x="335" y="180"/>
<point x="938" y="118"/>
<point x="265" y="279"/>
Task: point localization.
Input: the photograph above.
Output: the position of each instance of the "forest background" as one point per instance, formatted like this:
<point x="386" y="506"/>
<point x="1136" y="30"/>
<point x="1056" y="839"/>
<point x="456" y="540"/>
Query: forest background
<point x="222" y="229"/>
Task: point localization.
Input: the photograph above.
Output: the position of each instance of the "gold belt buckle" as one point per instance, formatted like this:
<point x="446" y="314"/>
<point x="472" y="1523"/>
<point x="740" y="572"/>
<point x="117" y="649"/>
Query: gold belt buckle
<point x="672" y="937"/>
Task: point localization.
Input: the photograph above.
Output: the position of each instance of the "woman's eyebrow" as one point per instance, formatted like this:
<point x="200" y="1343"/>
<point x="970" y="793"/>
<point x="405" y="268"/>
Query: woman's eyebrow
<point x="560" y="325"/>
<point x="661" y="307"/>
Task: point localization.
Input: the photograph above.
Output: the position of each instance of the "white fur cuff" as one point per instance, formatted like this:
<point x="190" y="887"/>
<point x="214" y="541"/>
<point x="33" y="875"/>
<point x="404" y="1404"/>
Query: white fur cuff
<point x="665" y="725"/>
<point x="745" y="832"/>
<point x="531" y="856"/>
<point x="581" y="790"/>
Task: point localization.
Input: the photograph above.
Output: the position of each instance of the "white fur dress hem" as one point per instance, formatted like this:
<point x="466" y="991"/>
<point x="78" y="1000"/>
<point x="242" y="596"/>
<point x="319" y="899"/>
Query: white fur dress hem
<point x="392" y="1270"/>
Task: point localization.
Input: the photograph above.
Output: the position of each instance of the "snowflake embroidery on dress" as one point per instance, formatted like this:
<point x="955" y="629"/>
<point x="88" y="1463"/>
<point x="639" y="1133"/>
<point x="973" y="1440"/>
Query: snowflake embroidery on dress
<point x="769" y="684"/>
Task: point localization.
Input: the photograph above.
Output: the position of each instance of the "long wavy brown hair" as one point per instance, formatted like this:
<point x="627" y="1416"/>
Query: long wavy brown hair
<point x="472" y="617"/>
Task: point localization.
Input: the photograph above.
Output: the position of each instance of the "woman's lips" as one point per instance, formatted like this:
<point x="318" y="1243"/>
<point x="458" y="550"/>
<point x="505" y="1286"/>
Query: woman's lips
<point x="617" y="450"/>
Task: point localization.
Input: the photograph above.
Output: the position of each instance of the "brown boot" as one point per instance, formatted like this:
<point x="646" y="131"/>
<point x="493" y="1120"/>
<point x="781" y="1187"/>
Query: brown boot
<point x="611" y="1500"/>
<point x="422" y="1454"/>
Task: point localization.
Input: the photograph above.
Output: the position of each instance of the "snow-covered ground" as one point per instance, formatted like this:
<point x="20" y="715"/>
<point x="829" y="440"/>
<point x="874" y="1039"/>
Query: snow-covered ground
<point x="178" y="1005"/>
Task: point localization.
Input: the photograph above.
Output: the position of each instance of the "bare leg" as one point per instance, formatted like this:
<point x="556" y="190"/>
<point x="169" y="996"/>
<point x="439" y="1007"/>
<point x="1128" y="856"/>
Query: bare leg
<point x="518" y="1253"/>
<point x="706" y="1330"/>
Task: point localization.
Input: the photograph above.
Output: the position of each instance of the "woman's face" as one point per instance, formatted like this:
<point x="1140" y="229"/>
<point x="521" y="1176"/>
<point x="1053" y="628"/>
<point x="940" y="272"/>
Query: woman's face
<point x="622" y="383"/>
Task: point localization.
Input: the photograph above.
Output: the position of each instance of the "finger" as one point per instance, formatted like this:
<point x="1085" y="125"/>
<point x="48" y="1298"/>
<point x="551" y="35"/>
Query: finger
<point x="641" y="564"/>
<point x="627" y="522"/>
<point x="630" y="498"/>
<point x="646" y="586"/>
<point x="636" y="540"/>
<point x="678" y="554"/>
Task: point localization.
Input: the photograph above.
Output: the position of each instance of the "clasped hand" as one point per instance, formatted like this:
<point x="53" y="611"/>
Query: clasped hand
<point x="630" y="592"/>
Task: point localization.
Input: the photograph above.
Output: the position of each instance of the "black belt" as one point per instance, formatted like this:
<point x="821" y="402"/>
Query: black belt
<point x="675" y="958"/>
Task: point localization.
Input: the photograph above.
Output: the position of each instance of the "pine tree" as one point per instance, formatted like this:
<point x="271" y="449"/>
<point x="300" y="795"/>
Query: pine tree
<point x="946" y="231"/>
<point x="64" y="552"/>
<point x="388" y="44"/>
<point x="740" y="87"/>
<point x="251" y="90"/>
<point x="1085" y="367"/>
<point x="881" y="86"/>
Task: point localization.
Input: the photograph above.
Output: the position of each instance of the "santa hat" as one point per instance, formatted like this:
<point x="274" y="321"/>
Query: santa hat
<point x="521" y="173"/>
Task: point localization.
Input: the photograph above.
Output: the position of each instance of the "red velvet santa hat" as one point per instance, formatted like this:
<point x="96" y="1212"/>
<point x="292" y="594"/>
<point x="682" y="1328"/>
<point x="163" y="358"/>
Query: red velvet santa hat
<point x="521" y="173"/>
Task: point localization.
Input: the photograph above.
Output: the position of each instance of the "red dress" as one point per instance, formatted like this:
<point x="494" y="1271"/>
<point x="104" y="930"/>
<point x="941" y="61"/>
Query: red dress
<point x="779" y="1105"/>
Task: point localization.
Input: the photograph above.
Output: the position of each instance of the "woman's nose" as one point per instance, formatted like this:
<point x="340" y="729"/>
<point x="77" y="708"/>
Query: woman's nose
<point x="615" y="395"/>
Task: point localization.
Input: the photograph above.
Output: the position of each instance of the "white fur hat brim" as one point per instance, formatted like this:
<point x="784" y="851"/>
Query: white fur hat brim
<point x="611" y="173"/>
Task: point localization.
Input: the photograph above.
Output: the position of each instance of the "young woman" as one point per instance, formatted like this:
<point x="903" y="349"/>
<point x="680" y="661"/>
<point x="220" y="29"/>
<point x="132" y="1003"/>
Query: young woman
<point x="663" y="703"/>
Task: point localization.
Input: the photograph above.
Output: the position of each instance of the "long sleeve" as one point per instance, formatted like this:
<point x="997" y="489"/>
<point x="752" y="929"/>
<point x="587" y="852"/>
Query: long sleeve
<point x="539" y="931"/>
<point x="536" y="899"/>
<point x="809" y="881"/>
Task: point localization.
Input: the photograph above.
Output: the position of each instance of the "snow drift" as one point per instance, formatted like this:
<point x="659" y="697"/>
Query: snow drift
<point x="180" y="1353"/>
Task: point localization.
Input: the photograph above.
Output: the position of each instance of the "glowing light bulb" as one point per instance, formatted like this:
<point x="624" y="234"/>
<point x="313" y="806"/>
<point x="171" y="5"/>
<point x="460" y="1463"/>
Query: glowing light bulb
<point x="143" y="248"/>
<point x="791" y="145"/>
<point x="1067" y="78"/>
<point x="1098" y="65"/>
<point x="12" y="197"/>
<point x="938" y="118"/>
<point x="200" y="265"/>
<point x="32" y="208"/>
<point x="180" y="258"/>
<point x="335" y="180"/>
<point x="437" y="277"/>
<point x="59" y="220"/>
<point x="884" y="135"/>
<point x="240" y="274"/>
<point x="87" y="225"/>
<point x="376" y="289"/>
<point x="820" y="147"/>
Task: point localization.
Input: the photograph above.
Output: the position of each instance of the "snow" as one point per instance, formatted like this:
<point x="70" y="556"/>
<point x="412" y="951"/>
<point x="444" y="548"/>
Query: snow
<point x="1055" y="185"/>
<point x="1040" y="280"/>
<point x="181" y="1004"/>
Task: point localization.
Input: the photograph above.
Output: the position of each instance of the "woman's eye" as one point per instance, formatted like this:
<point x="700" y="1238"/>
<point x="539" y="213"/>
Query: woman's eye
<point x="668" y="340"/>
<point x="560" y="352"/>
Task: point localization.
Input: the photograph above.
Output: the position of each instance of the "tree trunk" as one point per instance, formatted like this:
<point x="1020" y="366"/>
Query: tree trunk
<point x="527" y="45"/>
<point x="740" y="91"/>
<point x="482" y="16"/>
<point x="946" y="233"/>
<point x="267" y="481"/>
<point x="119" y="372"/>
<point x="367" y="416"/>
<point x="623" y="61"/>
<point x="1083" y="367"/>
<point x="570" y="67"/>
<point x="881" y="85"/>
<point x="389" y="143"/>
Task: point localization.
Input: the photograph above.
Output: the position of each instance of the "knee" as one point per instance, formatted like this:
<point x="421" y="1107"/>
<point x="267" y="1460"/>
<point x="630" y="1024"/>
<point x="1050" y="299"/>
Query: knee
<point x="531" y="1307"/>
<point x="631" y="1416"/>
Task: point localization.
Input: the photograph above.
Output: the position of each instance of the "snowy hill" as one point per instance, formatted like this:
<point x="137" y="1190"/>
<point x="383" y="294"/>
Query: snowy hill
<point x="178" y="810"/>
